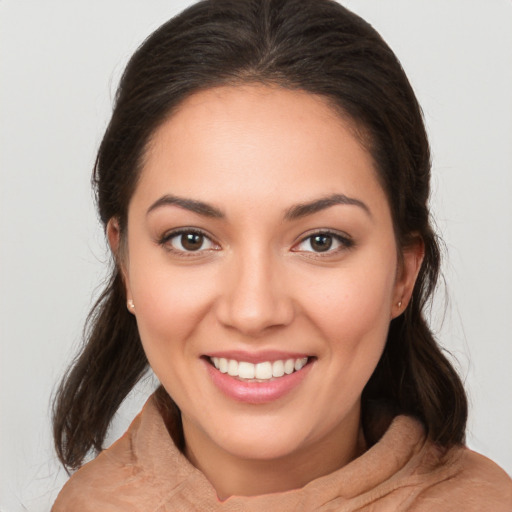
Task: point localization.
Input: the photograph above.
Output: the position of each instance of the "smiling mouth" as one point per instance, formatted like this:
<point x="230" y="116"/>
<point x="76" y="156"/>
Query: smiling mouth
<point x="258" y="372"/>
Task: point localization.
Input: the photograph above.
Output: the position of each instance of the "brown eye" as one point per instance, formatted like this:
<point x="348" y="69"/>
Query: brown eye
<point x="188" y="241"/>
<point x="321" y="243"/>
<point x="324" y="242"/>
<point x="192" y="241"/>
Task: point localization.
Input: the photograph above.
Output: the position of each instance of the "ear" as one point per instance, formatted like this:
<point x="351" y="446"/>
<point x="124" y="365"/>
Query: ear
<point x="114" y="236"/>
<point x="409" y="267"/>
<point x="114" y="240"/>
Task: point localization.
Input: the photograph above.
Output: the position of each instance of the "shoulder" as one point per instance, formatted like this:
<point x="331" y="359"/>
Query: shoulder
<point x="101" y="482"/>
<point x="138" y="473"/>
<point x="471" y="482"/>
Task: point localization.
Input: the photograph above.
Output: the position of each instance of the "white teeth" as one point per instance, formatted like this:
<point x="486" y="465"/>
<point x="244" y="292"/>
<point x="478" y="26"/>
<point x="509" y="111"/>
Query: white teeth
<point x="223" y="365"/>
<point x="263" y="371"/>
<point x="260" y="371"/>
<point x="299" y="363"/>
<point x="277" y="369"/>
<point x="246" y="370"/>
<point x="232" y="367"/>
<point x="289" y="366"/>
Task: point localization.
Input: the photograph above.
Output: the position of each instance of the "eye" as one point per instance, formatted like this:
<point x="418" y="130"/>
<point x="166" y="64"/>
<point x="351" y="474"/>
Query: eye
<point x="323" y="242"/>
<point x="187" y="241"/>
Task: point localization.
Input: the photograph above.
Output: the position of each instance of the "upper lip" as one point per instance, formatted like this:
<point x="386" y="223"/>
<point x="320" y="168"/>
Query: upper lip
<point x="257" y="357"/>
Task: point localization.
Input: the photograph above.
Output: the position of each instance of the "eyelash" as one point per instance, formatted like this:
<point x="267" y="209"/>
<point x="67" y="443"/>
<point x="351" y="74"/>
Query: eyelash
<point x="165" y="241"/>
<point x="344" y="241"/>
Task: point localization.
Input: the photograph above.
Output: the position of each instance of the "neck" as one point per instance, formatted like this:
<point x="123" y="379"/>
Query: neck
<point x="234" y="475"/>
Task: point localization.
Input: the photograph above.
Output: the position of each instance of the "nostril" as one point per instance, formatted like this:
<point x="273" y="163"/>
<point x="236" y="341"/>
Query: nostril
<point x="253" y="297"/>
<point x="253" y="318"/>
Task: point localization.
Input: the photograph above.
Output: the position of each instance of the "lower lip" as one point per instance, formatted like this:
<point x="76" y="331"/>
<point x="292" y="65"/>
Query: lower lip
<point x="257" y="392"/>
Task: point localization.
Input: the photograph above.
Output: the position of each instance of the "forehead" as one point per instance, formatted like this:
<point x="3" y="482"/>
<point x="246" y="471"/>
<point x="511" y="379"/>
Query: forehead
<point x="255" y="140"/>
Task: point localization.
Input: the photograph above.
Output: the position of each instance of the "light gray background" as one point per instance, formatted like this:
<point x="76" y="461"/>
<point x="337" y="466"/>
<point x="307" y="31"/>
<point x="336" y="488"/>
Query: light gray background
<point x="59" y="64"/>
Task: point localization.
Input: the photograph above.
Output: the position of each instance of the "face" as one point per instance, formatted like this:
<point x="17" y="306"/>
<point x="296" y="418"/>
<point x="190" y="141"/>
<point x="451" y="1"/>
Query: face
<point x="262" y="263"/>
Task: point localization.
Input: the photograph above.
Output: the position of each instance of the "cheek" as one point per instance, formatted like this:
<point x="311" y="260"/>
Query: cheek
<point x="352" y="316"/>
<point x="170" y="303"/>
<point x="351" y="308"/>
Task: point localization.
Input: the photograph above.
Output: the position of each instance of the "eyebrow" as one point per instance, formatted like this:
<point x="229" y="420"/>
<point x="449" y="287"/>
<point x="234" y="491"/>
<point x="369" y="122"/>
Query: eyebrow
<point x="302" y="210"/>
<point x="192" y="205"/>
<point x="295" y="212"/>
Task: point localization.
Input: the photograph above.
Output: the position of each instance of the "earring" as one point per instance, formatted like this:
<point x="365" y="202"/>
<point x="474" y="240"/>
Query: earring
<point x="399" y="304"/>
<point x="130" y="304"/>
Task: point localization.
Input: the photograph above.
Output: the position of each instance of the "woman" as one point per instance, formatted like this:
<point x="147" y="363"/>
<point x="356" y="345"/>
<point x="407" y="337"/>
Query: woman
<point x="263" y="184"/>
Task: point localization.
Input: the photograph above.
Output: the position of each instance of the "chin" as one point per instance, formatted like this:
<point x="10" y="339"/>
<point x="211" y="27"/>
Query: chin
<point x="256" y="438"/>
<point x="261" y="447"/>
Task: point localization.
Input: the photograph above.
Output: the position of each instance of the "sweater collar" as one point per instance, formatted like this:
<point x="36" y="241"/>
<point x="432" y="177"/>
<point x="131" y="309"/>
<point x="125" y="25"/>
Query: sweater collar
<point x="373" y="472"/>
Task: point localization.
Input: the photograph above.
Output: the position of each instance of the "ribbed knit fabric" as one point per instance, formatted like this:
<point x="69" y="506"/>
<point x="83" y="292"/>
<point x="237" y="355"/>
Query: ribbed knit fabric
<point x="145" y="472"/>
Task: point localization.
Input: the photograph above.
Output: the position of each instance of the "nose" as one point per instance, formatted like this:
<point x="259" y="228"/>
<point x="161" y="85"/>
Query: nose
<point x="254" y="296"/>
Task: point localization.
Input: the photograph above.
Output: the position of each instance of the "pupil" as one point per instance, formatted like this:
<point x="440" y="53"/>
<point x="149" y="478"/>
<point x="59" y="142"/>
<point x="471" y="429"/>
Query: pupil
<point x="192" y="241"/>
<point x="321" y="243"/>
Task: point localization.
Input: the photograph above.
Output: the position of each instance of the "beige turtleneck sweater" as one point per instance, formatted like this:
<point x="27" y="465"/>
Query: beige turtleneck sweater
<point x="145" y="472"/>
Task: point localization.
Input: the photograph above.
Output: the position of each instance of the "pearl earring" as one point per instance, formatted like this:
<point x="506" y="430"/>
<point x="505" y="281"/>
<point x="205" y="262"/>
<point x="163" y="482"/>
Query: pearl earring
<point x="130" y="304"/>
<point x="399" y="304"/>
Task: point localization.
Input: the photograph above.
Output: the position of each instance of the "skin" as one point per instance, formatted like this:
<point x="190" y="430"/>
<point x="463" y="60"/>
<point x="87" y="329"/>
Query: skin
<point x="253" y="153"/>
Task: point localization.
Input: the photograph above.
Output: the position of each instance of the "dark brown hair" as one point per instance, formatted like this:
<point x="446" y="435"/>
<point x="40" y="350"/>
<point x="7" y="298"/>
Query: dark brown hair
<point x="313" y="45"/>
